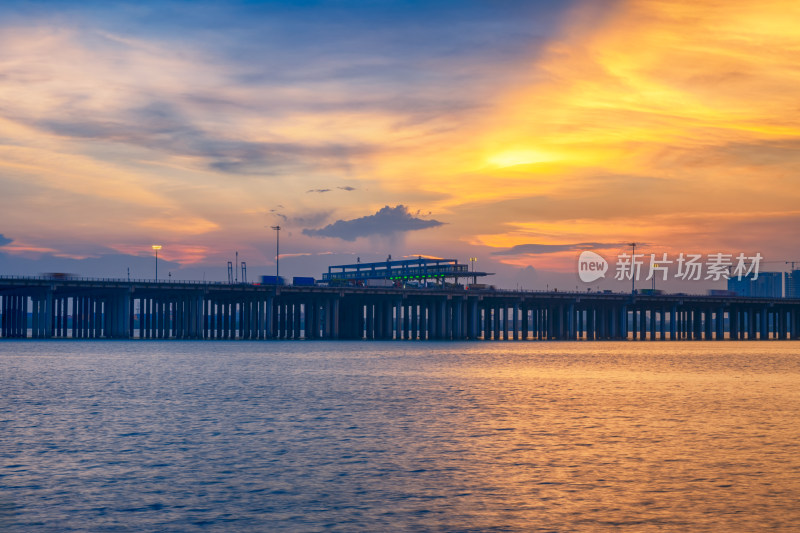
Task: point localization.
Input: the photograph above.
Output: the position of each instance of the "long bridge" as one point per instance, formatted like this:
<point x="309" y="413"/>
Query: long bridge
<point x="47" y="308"/>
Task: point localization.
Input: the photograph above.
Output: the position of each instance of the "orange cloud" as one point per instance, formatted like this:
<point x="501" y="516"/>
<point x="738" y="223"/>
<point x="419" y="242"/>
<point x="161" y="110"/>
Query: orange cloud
<point x="700" y="95"/>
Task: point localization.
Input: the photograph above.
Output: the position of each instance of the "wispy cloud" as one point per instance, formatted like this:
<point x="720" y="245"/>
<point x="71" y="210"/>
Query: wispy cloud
<point x="537" y="249"/>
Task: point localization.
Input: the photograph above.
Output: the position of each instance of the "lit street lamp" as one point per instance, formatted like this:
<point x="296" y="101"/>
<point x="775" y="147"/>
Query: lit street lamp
<point x="654" y="278"/>
<point x="156" y="247"/>
<point x="472" y="261"/>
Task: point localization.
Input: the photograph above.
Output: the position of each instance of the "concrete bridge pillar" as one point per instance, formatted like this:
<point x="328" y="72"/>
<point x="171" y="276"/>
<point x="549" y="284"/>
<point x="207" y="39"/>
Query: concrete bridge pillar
<point x="673" y="317"/>
<point x="619" y="324"/>
<point x="458" y="318"/>
<point x="398" y="319"/>
<point x="49" y="314"/>
<point x="35" y="317"/>
<point x="486" y="319"/>
<point x="406" y="321"/>
<point x="547" y="322"/>
<point x="526" y="328"/>
<point x="571" y="329"/>
<point x="643" y="323"/>
<point x="423" y="320"/>
<point x="387" y="310"/>
<point x="319" y="317"/>
<point x="380" y="320"/>
<point x="326" y="319"/>
<point x="370" y="309"/>
<point x="784" y="324"/>
<point x="360" y="320"/>
<point x="441" y="319"/>
<point x="415" y="321"/>
<point x="258" y="318"/>
<point x="213" y="319"/>
<point x="653" y="318"/>
<point x="335" y="318"/>
<point x="285" y="321"/>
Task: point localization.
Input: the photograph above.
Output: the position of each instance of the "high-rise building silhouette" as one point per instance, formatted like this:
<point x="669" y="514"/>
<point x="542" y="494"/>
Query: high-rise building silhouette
<point x="793" y="284"/>
<point x="766" y="285"/>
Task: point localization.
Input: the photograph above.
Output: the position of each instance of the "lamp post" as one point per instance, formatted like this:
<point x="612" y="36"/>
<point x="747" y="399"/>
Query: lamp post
<point x="156" y="247"/>
<point x="633" y="267"/>
<point x="472" y="261"/>
<point x="654" y="279"/>
<point x="277" y="254"/>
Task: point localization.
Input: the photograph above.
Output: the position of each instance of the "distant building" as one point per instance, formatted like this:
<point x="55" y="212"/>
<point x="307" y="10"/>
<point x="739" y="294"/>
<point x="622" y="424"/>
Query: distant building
<point x="766" y="285"/>
<point x="793" y="284"/>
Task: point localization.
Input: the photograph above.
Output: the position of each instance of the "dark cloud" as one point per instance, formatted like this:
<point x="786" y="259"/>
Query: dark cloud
<point x="345" y="188"/>
<point x="311" y="219"/>
<point x="535" y="249"/>
<point x="277" y="214"/>
<point x="4" y="240"/>
<point x="387" y="221"/>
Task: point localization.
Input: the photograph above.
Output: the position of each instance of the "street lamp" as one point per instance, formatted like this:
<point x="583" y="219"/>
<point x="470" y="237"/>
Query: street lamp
<point x="654" y="278"/>
<point x="633" y="266"/>
<point x="472" y="262"/>
<point x="277" y="254"/>
<point x="156" y="247"/>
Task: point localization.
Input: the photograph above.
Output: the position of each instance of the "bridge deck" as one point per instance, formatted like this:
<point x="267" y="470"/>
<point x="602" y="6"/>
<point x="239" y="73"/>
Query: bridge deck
<point x="41" y="307"/>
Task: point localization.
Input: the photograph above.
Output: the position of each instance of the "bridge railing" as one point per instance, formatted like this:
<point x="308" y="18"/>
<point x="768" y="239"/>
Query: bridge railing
<point x="120" y="280"/>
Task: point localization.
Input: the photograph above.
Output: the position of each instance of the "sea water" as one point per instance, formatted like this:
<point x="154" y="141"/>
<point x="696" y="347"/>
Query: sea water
<point x="399" y="436"/>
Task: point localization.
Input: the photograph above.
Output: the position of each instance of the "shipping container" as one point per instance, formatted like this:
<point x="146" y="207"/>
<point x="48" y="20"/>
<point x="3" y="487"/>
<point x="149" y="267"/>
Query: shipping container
<point x="651" y="292"/>
<point x="380" y="283"/>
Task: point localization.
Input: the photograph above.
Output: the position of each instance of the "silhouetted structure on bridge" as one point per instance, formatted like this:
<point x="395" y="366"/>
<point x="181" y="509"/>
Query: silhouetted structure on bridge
<point x="420" y="270"/>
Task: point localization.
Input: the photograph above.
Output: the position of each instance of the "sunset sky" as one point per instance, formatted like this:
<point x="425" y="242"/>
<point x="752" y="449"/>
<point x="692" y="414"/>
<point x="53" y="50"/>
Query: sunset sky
<point x="516" y="132"/>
